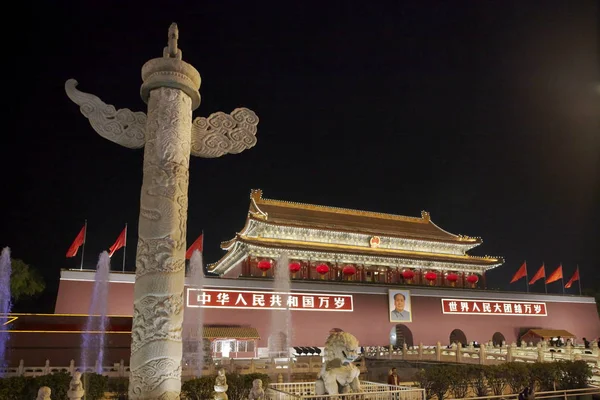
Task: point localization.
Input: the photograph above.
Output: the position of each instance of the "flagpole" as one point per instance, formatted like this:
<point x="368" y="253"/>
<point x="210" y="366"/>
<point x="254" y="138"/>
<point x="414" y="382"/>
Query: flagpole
<point x="562" y="278"/>
<point x="204" y="270"/>
<point x="579" y="279"/>
<point x="545" y="284"/>
<point x="83" y="245"/>
<point x="125" y="247"/>
<point x="526" y="276"/>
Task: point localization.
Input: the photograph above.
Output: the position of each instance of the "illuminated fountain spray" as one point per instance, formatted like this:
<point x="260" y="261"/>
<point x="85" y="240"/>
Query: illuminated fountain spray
<point x="280" y="338"/>
<point x="95" y="326"/>
<point x="5" y="304"/>
<point x="193" y="318"/>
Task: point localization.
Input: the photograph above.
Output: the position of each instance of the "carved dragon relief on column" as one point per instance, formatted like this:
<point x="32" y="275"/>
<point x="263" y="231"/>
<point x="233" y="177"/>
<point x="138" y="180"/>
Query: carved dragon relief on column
<point x="212" y="137"/>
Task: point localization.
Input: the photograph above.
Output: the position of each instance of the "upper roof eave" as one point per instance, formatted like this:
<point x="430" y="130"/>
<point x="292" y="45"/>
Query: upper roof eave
<point x="291" y="244"/>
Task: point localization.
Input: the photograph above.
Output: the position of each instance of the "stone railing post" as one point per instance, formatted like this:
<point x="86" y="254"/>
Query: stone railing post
<point x="540" y="349"/>
<point x="482" y="354"/>
<point x="438" y="351"/>
<point x="72" y="367"/>
<point x="594" y="348"/>
<point x="390" y="350"/>
<point x="569" y="349"/>
<point x="46" y="369"/>
<point x="252" y="366"/>
<point x="122" y="368"/>
<point x="21" y="370"/>
<point x="459" y="352"/>
<point x="421" y="351"/>
<point x="509" y="352"/>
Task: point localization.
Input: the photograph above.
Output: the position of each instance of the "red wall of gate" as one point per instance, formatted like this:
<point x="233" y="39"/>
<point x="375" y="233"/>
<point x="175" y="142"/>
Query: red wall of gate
<point x="369" y="321"/>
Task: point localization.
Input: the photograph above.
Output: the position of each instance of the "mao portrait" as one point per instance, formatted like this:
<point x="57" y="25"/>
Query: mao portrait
<point x="400" y="307"/>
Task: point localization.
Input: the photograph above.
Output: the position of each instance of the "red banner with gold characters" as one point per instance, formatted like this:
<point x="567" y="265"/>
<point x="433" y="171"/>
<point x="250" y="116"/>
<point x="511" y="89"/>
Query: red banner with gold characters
<point x="210" y="298"/>
<point x="493" y="307"/>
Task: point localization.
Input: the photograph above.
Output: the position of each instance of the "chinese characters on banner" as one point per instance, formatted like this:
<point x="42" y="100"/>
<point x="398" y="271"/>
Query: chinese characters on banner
<point x="494" y="307"/>
<point x="209" y="298"/>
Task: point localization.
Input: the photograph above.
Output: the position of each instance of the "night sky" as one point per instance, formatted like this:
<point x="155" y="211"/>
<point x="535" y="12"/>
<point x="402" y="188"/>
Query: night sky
<point x="484" y="113"/>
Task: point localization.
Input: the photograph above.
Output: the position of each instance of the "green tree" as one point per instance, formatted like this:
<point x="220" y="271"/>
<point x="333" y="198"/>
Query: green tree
<point x="24" y="281"/>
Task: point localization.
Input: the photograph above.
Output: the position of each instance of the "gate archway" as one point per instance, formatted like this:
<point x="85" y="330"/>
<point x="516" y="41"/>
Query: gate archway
<point x="400" y="335"/>
<point x="498" y="338"/>
<point x="458" y="336"/>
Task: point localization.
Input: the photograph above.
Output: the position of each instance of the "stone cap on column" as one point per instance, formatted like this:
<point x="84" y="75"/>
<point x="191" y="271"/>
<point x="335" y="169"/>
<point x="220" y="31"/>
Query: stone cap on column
<point x="171" y="71"/>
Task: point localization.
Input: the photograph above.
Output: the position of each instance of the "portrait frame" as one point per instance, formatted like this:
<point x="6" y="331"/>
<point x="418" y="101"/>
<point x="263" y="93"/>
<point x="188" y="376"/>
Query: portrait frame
<point x="407" y="305"/>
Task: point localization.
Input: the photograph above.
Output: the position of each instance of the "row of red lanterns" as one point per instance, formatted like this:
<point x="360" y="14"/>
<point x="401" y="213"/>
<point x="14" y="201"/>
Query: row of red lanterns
<point x="432" y="276"/>
<point x="349" y="270"/>
<point x="294" y="266"/>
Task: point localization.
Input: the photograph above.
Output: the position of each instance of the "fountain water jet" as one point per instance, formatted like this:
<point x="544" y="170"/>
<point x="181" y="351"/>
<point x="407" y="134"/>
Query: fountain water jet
<point x="280" y="338"/>
<point x="193" y="318"/>
<point x="5" y="303"/>
<point x="95" y="327"/>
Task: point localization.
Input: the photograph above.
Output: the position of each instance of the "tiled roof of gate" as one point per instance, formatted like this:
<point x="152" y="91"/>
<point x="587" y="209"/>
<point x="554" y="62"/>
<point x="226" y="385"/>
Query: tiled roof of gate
<point x="343" y="219"/>
<point x="230" y="332"/>
<point x="547" y="333"/>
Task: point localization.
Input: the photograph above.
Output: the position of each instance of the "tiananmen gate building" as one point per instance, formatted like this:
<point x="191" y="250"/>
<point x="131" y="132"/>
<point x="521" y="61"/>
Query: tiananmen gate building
<point x="347" y="270"/>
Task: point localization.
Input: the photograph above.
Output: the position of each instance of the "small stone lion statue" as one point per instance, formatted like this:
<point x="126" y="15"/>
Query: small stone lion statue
<point x="44" y="393"/>
<point x="339" y="374"/>
<point x="221" y="387"/>
<point x="257" y="392"/>
<point x="75" y="391"/>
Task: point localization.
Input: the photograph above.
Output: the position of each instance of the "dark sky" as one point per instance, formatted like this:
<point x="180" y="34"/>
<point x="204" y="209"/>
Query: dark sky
<point x="484" y="113"/>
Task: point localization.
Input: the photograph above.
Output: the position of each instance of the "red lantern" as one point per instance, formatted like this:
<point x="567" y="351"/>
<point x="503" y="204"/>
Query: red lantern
<point x="294" y="267"/>
<point x="264" y="266"/>
<point x="431" y="277"/>
<point x="473" y="279"/>
<point x="452" y="278"/>
<point x="408" y="274"/>
<point x="322" y="269"/>
<point x="349" y="270"/>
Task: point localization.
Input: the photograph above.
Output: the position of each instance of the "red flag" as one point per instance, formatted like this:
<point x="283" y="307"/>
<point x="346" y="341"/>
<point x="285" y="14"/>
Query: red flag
<point x="521" y="273"/>
<point x="538" y="275"/>
<point x="556" y="275"/>
<point x="121" y="242"/>
<point x="197" y="245"/>
<point x="79" y="240"/>
<point x="574" y="278"/>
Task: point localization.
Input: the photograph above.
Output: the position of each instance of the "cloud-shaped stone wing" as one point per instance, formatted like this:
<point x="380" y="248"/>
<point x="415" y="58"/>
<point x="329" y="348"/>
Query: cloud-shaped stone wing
<point x="123" y="126"/>
<point x="221" y="133"/>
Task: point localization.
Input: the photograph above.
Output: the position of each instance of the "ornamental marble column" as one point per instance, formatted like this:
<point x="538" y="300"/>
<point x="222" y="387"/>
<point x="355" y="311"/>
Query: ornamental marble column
<point x="171" y="91"/>
<point x="170" y="88"/>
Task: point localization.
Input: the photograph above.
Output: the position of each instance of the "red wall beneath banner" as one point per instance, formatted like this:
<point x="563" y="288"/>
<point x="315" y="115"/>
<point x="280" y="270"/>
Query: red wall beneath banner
<point x="74" y="297"/>
<point x="370" y="322"/>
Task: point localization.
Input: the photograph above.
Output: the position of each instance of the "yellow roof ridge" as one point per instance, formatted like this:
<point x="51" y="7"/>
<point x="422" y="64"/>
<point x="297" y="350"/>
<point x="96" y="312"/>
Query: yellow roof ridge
<point x="256" y="196"/>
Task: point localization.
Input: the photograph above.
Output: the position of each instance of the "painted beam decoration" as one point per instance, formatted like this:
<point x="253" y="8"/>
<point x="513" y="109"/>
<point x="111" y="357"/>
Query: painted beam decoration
<point x="493" y="307"/>
<point x="243" y="299"/>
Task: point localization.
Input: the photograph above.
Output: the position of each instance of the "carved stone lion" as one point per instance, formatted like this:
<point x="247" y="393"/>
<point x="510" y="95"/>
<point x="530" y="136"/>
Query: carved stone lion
<point x="75" y="391"/>
<point x="44" y="393"/>
<point x="339" y="374"/>
<point x="257" y="392"/>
